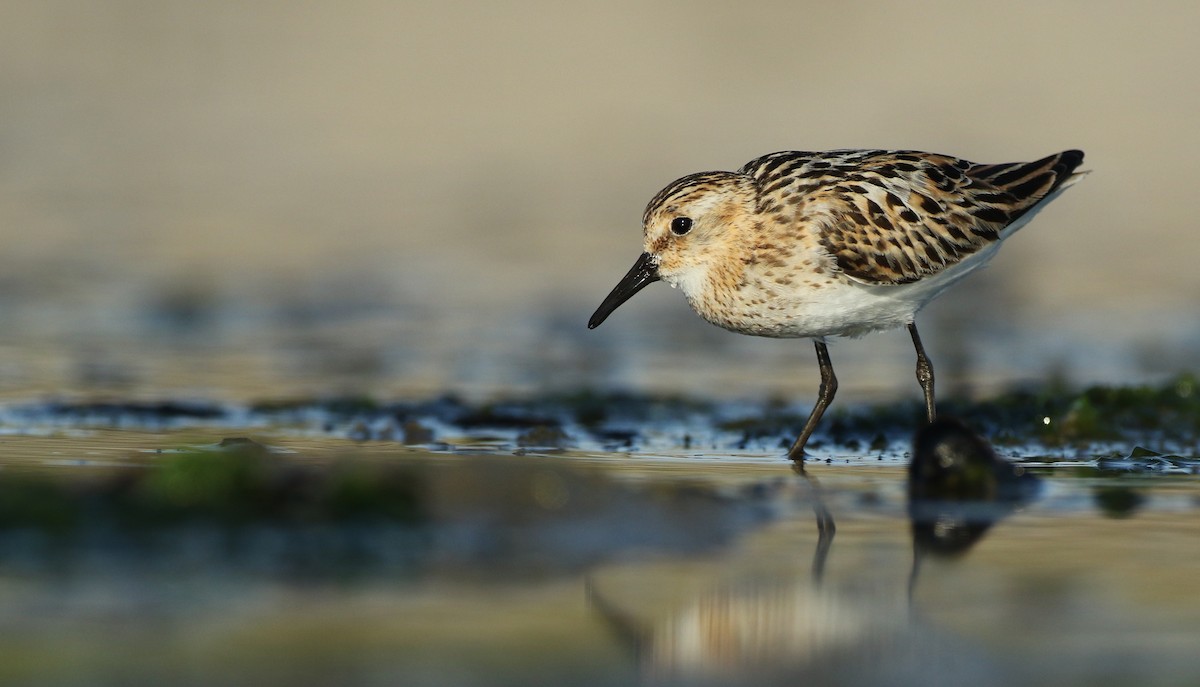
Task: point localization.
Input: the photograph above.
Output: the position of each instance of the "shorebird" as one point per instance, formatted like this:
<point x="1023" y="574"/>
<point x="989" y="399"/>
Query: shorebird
<point x="840" y="243"/>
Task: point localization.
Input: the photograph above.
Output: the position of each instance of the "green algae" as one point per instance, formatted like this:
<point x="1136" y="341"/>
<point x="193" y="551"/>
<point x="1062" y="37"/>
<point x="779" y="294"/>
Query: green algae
<point x="33" y="501"/>
<point x="237" y="483"/>
<point x="1053" y="416"/>
<point x="1057" y="416"/>
<point x="250" y="484"/>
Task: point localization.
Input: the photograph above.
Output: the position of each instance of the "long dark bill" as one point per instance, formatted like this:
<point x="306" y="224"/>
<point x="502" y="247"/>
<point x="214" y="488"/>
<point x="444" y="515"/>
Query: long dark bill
<point x="643" y="273"/>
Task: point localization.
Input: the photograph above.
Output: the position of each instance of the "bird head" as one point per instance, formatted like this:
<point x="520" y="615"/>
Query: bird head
<point x="686" y="229"/>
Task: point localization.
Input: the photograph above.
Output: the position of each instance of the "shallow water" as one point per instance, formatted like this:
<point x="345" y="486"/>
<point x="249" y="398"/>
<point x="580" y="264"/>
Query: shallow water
<point x="620" y="561"/>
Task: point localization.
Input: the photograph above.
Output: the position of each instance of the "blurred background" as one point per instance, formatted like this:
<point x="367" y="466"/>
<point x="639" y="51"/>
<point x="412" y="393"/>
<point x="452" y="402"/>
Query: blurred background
<point x="247" y="200"/>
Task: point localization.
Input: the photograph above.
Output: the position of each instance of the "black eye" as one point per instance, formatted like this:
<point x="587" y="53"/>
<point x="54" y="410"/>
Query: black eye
<point x="681" y="225"/>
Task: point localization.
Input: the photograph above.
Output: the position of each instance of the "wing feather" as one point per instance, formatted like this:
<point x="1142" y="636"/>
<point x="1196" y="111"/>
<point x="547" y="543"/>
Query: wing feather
<point x="894" y="217"/>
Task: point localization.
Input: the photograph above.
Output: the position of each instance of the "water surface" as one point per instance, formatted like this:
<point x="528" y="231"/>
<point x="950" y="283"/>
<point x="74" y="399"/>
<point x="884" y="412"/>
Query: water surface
<point x="648" y="563"/>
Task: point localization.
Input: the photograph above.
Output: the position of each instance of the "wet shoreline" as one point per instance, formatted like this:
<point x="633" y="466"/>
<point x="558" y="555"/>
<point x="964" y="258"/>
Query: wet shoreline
<point x="1049" y="423"/>
<point x="597" y="539"/>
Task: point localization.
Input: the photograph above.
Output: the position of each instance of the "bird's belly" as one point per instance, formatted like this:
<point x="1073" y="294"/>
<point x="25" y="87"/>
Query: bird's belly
<point x="838" y="307"/>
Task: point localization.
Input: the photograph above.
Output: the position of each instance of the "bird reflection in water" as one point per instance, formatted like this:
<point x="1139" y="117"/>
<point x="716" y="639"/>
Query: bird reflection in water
<point x="849" y="620"/>
<point x="957" y="489"/>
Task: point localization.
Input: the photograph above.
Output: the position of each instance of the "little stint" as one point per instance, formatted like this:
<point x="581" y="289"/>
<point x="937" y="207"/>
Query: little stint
<point x="839" y="243"/>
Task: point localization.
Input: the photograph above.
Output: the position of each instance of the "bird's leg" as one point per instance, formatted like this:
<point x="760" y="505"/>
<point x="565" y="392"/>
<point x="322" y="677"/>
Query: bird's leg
<point x="924" y="372"/>
<point x="824" y="396"/>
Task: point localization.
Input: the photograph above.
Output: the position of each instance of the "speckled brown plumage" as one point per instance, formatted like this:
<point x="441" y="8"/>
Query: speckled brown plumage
<point x="893" y="217"/>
